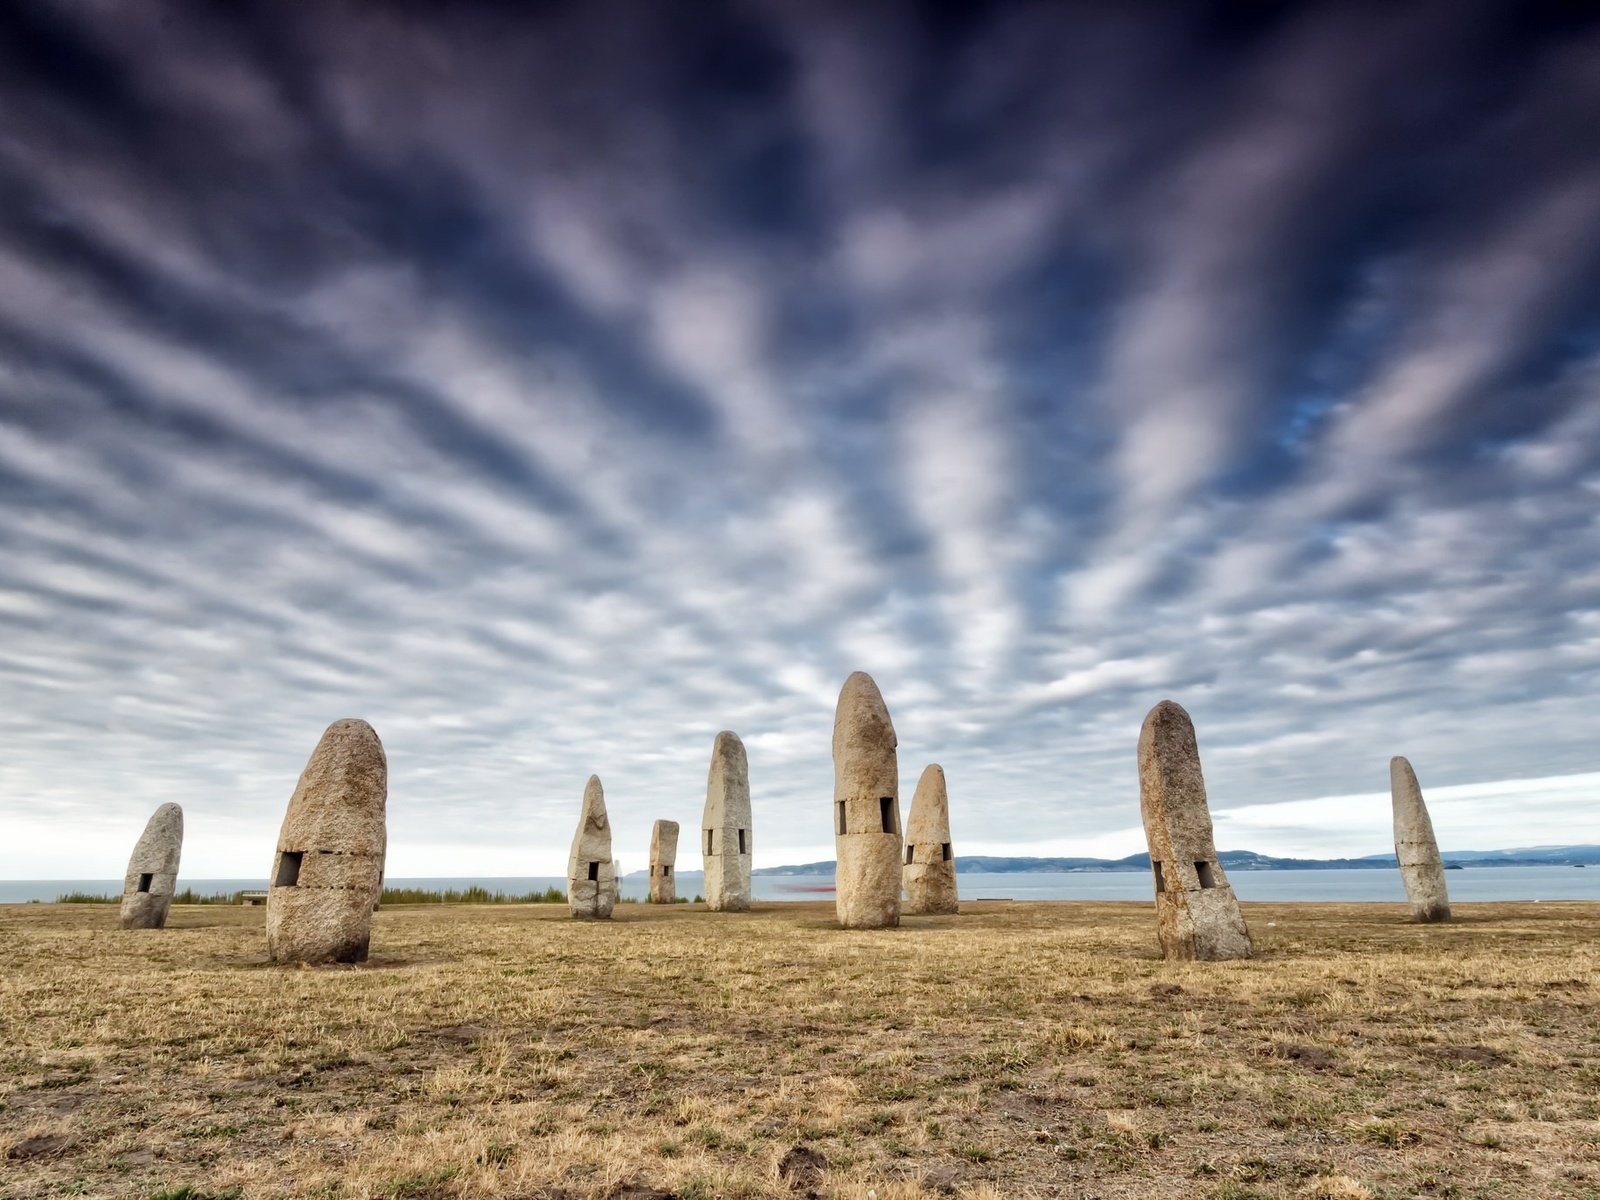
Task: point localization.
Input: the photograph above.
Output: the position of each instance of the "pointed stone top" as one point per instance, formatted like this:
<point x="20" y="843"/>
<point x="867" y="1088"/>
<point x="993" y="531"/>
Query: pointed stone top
<point x="592" y="841"/>
<point x="929" y="822"/>
<point x="594" y="805"/>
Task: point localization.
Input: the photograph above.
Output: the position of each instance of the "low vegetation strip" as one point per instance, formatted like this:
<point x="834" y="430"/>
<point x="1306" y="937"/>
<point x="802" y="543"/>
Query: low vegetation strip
<point x="471" y="895"/>
<point x="1023" y="1049"/>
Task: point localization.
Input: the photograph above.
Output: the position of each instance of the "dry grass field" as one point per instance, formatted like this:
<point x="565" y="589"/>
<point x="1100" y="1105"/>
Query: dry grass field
<point x="1014" y="1050"/>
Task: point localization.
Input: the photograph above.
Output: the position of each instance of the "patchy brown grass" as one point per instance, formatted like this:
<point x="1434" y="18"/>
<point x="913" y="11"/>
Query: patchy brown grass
<point x="1014" y="1050"/>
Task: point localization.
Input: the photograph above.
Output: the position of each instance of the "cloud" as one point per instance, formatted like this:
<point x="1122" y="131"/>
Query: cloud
<point x="557" y="389"/>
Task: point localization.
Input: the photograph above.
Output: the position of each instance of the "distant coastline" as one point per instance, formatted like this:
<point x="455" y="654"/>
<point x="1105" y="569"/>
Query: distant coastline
<point x="1243" y="860"/>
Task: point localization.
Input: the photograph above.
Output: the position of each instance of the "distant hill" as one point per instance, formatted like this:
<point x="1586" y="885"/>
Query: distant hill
<point x="1245" y="860"/>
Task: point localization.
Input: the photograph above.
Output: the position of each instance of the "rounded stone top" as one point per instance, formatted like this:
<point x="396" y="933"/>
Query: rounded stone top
<point x="1399" y="760"/>
<point x="339" y="801"/>
<point x="1168" y="711"/>
<point x="864" y="742"/>
<point x="168" y="813"/>
<point x="350" y="727"/>
<point x="861" y="705"/>
<point x="161" y="842"/>
<point x="727" y="739"/>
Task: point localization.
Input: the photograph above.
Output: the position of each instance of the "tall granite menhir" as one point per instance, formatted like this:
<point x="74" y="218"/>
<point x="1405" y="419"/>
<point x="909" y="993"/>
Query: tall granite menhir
<point x="664" y="862"/>
<point x="866" y="808"/>
<point x="1421" y="868"/>
<point x="725" y="827"/>
<point x="328" y="869"/>
<point x="1197" y="913"/>
<point x="153" y="870"/>
<point x="930" y="870"/>
<point x="591" y="875"/>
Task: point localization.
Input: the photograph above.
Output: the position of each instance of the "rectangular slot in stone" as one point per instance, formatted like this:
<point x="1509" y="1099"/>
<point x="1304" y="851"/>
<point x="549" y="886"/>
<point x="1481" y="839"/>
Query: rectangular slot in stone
<point x="289" y="869"/>
<point x="665" y="870"/>
<point x="710" y="834"/>
<point x="886" y="812"/>
<point x="1207" y="879"/>
<point x="1161" y="884"/>
<point x="594" y="870"/>
<point x="742" y="850"/>
<point x="909" y="850"/>
<point x="944" y="849"/>
<point x="839" y="821"/>
<point x="144" y="882"/>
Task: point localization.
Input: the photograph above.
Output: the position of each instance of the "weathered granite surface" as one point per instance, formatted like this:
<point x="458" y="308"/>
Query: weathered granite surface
<point x="591" y="875"/>
<point x="930" y="863"/>
<point x="152" y="874"/>
<point x="328" y="868"/>
<point x="1421" y="868"/>
<point x="725" y="832"/>
<point x="1197" y="913"/>
<point x="664" y="863"/>
<point x="866" y="808"/>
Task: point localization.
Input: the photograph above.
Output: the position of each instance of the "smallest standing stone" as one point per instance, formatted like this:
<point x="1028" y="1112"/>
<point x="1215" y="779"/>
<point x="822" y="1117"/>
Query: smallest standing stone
<point x="591" y="875"/>
<point x="930" y="870"/>
<point x="153" y="870"/>
<point x="664" y="863"/>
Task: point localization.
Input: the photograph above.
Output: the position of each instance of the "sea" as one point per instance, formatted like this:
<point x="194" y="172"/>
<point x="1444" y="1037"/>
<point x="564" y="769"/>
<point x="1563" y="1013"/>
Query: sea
<point x="1374" y="884"/>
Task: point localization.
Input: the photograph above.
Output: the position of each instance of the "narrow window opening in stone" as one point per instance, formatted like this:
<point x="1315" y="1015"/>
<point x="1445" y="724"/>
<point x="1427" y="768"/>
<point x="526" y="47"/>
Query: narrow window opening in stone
<point x="886" y="811"/>
<point x="1161" y="884"/>
<point x="665" y="871"/>
<point x="289" y="869"/>
<point x="710" y="835"/>
<point x="839" y="821"/>
<point x="144" y="882"/>
<point x="944" y="851"/>
<point x="1207" y="879"/>
<point x="594" y="870"/>
<point x="742" y="850"/>
<point x="908" y="855"/>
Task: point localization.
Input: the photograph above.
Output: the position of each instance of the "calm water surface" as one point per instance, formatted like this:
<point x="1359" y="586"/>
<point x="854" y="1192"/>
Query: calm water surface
<point x="1481" y="883"/>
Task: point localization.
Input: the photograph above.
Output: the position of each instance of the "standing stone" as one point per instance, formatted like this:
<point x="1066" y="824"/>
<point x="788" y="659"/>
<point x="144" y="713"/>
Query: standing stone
<point x="328" y="870"/>
<point x="866" y="808"/>
<point x="663" y="861"/>
<point x="930" y="873"/>
<point x="591" y="875"/>
<point x="153" y="870"/>
<point x="1197" y="913"/>
<point x="725" y="827"/>
<point x="1421" y="869"/>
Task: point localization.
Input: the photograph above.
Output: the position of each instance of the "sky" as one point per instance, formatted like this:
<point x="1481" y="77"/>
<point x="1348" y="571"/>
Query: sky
<point x="554" y="386"/>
